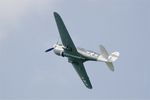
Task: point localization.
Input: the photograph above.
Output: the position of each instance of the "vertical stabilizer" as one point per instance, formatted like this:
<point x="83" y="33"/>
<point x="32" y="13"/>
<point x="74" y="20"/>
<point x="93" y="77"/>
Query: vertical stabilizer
<point x="108" y="59"/>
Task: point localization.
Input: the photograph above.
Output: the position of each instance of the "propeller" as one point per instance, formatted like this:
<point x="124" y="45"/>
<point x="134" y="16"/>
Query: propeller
<point x="50" y="49"/>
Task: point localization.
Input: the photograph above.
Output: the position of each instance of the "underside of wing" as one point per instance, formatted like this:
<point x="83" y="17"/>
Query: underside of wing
<point x="65" y="37"/>
<point x="79" y="67"/>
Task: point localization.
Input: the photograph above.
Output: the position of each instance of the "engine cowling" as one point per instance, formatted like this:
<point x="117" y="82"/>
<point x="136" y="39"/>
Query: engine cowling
<point x="59" y="51"/>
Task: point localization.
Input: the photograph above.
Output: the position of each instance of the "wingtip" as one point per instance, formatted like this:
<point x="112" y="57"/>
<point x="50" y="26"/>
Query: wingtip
<point x="113" y="70"/>
<point x="90" y="87"/>
<point x="55" y="13"/>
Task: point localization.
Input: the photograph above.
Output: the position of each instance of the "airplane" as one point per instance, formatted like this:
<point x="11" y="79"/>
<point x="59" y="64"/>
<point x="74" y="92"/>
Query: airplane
<point x="77" y="56"/>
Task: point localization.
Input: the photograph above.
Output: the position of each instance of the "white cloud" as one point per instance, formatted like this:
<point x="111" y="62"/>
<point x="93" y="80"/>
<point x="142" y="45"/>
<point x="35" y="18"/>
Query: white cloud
<point x="12" y="11"/>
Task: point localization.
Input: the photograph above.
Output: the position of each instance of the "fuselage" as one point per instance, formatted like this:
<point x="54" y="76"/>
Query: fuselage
<point x="86" y="55"/>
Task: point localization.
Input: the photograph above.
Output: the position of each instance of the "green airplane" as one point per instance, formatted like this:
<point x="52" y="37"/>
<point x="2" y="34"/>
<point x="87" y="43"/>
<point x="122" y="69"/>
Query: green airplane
<point x="77" y="56"/>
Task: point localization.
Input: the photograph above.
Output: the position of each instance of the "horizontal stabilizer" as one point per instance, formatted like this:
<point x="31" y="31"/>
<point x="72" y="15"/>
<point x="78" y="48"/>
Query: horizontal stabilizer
<point x="104" y="52"/>
<point x="110" y="65"/>
<point x="108" y="58"/>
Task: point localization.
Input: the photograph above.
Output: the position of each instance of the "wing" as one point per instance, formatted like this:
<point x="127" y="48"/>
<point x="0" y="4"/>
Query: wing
<point x="65" y="37"/>
<point x="79" y="67"/>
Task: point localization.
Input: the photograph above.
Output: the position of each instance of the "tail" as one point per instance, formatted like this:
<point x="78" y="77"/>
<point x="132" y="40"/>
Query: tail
<point x="108" y="59"/>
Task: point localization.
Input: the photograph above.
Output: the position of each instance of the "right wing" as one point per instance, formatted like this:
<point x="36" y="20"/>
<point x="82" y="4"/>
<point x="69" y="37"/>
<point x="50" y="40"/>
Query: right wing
<point x="65" y="37"/>
<point x="79" y="67"/>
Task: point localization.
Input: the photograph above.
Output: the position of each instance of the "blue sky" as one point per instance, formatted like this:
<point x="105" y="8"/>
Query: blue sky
<point x="27" y="29"/>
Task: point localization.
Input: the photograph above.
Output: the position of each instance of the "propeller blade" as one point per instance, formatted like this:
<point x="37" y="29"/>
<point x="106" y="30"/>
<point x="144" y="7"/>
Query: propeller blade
<point x="49" y="49"/>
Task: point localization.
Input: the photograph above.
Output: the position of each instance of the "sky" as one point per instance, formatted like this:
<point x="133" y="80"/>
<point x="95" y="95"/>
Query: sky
<point x="28" y="28"/>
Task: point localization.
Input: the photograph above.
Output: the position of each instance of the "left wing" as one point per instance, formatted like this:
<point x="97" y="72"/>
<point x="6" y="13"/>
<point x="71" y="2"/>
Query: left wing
<point x="79" y="67"/>
<point x="68" y="43"/>
<point x="65" y="37"/>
